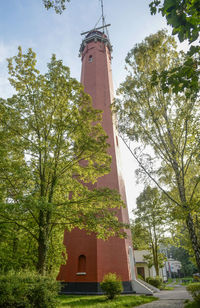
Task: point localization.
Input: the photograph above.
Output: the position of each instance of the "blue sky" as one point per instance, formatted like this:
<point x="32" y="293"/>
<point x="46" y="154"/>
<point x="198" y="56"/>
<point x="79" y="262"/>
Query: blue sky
<point x="28" y="24"/>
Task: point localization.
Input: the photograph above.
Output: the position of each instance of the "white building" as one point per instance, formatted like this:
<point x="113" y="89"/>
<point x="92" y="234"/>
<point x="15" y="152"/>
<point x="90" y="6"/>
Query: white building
<point x="173" y="268"/>
<point x="142" y="265"/>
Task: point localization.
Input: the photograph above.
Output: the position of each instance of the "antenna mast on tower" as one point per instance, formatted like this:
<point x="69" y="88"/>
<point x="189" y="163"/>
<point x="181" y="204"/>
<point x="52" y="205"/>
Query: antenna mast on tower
<point x="102" y="15"/>
<point x="104" y="26"/>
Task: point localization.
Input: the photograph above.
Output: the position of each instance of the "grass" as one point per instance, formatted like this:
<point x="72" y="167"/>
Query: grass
<point x="166" y="288"/>
<point x="75" y="301"/>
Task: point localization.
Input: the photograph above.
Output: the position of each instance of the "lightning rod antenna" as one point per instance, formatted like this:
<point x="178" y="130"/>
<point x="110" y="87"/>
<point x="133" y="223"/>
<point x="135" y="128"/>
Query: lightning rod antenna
<point x="103" y="18"/>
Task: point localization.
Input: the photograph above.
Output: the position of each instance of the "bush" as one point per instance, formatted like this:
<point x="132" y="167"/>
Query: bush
<point x="27" y="290"/>
<point x="187" y="280"/>
<point x="156" y="282"/>
<point x="111" y="285"/>
<point x="140" y="277"/>
<point x="194" y="289"/>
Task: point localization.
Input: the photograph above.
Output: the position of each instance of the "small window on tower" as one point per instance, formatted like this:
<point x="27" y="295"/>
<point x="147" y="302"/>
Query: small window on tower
<point x="81" y="265"/>
<point x="90" y="58"/>
<point x="117" y="141"/>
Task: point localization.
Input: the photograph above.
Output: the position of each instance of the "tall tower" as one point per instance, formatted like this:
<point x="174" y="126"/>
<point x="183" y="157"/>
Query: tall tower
<point x="89" y="258"/>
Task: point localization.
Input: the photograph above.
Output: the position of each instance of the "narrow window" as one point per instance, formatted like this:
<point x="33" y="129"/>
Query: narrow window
<point x="117" y="140"/>
<point x="81" y="264"/>
<point x="90" y="58"/>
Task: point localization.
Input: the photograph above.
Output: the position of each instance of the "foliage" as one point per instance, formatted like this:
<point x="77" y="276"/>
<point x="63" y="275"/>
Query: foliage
<point x="186" y="280"/>
<point x="182" y="78"/>
<point x="140" y="236"/>
<point x="196" y="277"/>
<point x="140" y="277"/>
<point x="182" y="239"/>
<point x="182" y="15"/>
<point x="17" y="249"/>
<point x="166" y="288"/>
<point x="102" y="302"/>
<point x="191" y="305"/>
<point x="111" y="285"/>
<point x="154" y="281"/>
<point x="167" y="127"/>
<point x="182" y="255"/>
<point x="57" y="5"/>
<point x="194" y="289"/>
<point x="152" y="216"/>
<point x="53" y="151"/>
<point x="27" y="290"/>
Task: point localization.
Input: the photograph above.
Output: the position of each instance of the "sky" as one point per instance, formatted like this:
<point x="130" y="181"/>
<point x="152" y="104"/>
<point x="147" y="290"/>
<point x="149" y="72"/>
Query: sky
<point x="28" y="24"/>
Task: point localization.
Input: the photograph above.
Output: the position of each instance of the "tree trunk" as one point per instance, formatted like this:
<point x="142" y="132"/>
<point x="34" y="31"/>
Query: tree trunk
<point x="155" y="250"/>
<point x="155" y="257"/>
<point x="194" y="240"/>
<point x="189" y="220"/>
<point x="42" y="245"/>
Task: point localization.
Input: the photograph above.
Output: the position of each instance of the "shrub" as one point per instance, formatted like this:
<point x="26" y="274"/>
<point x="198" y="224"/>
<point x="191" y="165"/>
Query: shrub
<point x="140" y="277"/>
<point x="187" y="280"/>
<point x="154" y="281"/>
<point x="194" y="289"/>
<point x="27" y="290"/>
<point x="111" y="285"/>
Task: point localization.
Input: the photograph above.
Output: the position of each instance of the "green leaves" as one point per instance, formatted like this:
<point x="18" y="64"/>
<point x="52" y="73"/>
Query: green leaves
<point x="58" y="5"/>
<point x="153" y="6"/>
<point x="52" y="145"/>
<point x="150" y="224"/>
<point x="182" y="15"/>
<point x="159" y="107"/>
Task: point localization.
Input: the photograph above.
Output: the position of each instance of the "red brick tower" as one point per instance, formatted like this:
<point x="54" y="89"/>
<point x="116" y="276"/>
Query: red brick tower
<point x="89" y="258"/>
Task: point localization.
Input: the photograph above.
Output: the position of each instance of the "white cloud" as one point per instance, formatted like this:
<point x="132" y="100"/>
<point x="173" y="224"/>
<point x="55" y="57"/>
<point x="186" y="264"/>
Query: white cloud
<point x="6" y="51"/>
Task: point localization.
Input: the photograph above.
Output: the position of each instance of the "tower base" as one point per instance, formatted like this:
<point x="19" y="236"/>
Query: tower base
<point x="90" y="288"/>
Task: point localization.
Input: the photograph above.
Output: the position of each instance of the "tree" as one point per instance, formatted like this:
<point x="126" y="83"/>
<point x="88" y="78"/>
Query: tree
<point x="140" y="235"/>
<point x="53" y="145"/>
<point x="58" y="5"/>
<point x="152" y="216"/>
<point x="180" y="254"/>
<point x="167" y="123"/>
<point x="184" y="17"/>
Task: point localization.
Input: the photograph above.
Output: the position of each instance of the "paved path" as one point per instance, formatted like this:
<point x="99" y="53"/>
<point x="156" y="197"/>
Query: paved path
<point x="170" y="299"/>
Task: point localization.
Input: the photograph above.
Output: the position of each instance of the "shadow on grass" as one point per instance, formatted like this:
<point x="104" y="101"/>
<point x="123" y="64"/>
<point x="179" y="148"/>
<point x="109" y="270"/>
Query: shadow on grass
<point x="77" y="301"/>
<point x="66" y="301"/>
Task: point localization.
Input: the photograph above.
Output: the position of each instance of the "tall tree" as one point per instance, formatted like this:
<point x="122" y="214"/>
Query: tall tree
<point x="151" y="214"/>
<point x="53" y="144"/>
<point x="166" y="122"/>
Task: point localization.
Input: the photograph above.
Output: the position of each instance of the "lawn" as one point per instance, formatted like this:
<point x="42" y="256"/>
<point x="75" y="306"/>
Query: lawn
<point x="68" y="301"/>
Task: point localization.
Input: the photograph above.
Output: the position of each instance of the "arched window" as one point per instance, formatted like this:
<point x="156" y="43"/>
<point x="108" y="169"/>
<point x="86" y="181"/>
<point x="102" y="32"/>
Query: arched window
<point x="81" y="264"/>
<point x="90" y="58"/>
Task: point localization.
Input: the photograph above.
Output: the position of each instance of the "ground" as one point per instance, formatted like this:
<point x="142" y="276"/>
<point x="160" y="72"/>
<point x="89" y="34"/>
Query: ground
<point x="170" y="299"/>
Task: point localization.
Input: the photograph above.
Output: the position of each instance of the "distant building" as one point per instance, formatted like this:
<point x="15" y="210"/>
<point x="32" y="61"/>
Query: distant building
<point x="173" y="268"/>
<point x="142" y="266"/>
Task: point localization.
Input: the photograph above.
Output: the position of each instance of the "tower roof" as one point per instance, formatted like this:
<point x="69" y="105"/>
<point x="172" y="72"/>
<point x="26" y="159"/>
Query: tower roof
<point x="95" y="35"/>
